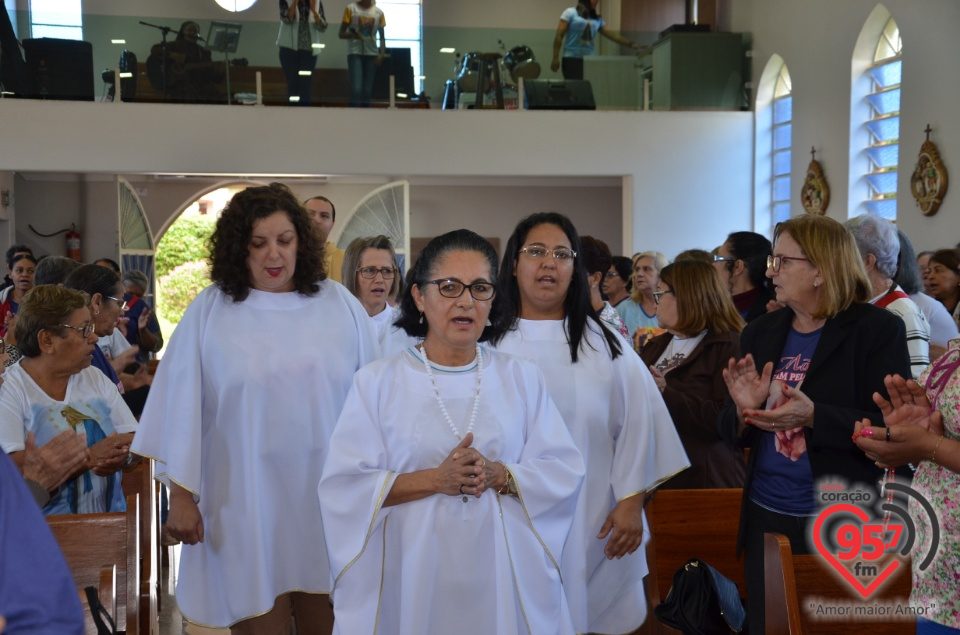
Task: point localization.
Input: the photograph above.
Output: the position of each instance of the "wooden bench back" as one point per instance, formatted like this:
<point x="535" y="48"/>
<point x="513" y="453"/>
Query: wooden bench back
<point x="794" y="583"/>
<point x="693" y="523"/>
<point x="91" y="542"/>
<point x="138" y="480"/>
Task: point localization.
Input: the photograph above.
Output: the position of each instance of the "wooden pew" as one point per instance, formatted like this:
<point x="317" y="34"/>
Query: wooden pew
<point x="794" y="583"/>
<point x="684" y="524"/>
<point x="138" y="480"/>
<point x="91" y="542"/>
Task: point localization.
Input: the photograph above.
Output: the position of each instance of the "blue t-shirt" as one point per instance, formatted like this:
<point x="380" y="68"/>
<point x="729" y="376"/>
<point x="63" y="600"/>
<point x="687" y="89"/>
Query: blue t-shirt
<point x="782" y="478"/>
<point x="581" y="33"/>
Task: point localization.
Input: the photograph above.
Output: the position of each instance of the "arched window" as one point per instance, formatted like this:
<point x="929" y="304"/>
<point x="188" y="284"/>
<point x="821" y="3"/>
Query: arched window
<point x="883" y="124"/>
<point x="774" y="146"/>
<point x="782" y="142"/>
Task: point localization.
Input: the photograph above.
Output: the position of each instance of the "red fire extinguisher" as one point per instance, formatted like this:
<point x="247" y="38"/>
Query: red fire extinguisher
<point x="73" y="240"/>
<point x="73" y="244"/>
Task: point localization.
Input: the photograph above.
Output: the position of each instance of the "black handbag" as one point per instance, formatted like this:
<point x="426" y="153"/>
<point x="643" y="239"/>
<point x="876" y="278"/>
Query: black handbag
<point x="101" y="617"/>
<point x="702" y="601"/>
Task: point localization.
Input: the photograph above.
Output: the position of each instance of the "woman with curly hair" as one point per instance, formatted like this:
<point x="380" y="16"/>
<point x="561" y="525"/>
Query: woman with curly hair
<point x="240" y="429"/>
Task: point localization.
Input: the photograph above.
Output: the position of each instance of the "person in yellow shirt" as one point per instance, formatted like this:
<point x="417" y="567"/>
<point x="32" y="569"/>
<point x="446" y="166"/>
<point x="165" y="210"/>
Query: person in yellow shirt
<point x="324" y="215"/>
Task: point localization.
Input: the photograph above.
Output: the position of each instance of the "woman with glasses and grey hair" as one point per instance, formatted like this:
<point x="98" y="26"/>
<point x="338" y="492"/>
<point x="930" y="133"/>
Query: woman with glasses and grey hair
<point x="451" y="480"/>
<point x="53" y="389"/>
<point x="611" y="407"/>
<point x="372" y="273"/>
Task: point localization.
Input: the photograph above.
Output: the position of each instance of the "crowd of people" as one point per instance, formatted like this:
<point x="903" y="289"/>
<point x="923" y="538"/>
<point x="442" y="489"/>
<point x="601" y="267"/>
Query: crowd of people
<point x="469" y="447"/>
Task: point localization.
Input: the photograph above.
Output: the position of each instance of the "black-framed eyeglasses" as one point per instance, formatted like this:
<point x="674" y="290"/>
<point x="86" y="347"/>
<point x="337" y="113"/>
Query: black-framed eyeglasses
<point x="453" y="288"/>
<point x="371" y="272"/>
<point x="122" y="303"/>
<point x="657" y="294"/>
<point x="718" y="258"/>
<point x="774" y="262"/>
<point x="563" y="254"/>
<point x="84" y="330"/>
<point x="612" y="274"/>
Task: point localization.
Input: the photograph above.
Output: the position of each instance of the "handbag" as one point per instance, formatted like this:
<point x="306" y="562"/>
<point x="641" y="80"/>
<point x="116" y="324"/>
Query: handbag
<point x="702" y="601"/>
<point x="101" y="617"/>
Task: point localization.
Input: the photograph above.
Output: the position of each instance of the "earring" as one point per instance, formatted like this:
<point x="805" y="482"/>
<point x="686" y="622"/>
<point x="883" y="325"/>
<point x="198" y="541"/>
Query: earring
<point x="96" y="311"/>
<point x="421" y="317"/>
<point x="489" y="323"/>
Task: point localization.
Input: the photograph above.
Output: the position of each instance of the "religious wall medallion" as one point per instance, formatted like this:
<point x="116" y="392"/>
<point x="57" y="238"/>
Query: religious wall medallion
<point x="928" y="183"/>
<point x="815" y="195"/>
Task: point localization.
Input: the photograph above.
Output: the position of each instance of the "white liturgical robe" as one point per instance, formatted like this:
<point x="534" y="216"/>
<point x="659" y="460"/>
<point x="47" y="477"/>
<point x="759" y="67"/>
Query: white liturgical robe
<point x="440" y="564"/>
<point x="240" y="413"/>
<point x="619" y="422"/>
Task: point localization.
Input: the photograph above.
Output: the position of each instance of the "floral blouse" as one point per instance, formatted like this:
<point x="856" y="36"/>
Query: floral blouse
<point x="938" y="588"/>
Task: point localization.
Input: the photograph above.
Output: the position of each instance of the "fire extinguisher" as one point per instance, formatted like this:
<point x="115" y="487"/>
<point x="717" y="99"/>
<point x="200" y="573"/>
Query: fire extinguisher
<point x="73" y="241"/>
<point x="73" y="244"/>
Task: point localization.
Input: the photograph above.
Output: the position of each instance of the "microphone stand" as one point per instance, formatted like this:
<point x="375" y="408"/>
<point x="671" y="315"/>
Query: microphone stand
<point x="165" y="30"/>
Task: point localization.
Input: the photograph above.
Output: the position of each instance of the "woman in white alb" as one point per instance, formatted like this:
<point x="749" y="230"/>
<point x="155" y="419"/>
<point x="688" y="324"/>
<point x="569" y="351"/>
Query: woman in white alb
<point x="612" y="408"/>
<point x="241" y="429"/>
<point x="451" y="481"/>
<point x="371" y="272"/>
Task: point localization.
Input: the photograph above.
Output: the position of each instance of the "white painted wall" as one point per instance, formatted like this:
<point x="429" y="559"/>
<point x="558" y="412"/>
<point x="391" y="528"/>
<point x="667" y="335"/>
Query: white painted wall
<point x="690" y="172"/>
<point x="816" y="38"/>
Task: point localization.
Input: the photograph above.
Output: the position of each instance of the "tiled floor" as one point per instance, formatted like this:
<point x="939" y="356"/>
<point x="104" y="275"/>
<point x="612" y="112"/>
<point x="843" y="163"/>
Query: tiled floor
<point x="171" y="622"/>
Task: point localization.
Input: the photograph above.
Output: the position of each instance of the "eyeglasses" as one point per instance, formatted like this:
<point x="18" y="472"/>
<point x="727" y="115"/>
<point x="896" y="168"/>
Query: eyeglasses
<point x="84" y="330"/>
<point x="774" y="262"/>
<point x="371" y="272"/>
<point x="657" y="294"/>
<point x="122" y="303"/>
<point x="453" y="288"/>
<point x="562" y="254"/>
<point x="717" y="258"/>
<point x="612" y="274"/>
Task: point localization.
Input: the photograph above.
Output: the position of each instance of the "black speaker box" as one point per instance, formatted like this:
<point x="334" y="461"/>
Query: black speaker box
<point x="558" y="94"/>
<point x="59" y="69"/>
<point x="396" y="62"/>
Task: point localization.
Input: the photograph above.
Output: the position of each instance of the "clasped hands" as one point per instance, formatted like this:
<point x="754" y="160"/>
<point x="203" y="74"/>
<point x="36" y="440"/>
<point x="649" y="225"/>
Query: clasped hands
<point x="750" y="391"/>
<point x="466" y="471"/>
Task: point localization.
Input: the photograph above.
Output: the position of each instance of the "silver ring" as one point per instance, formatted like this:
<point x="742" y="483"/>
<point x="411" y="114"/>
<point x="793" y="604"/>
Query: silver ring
<point x="888" y="434"/>
<point x="461" y="489"/>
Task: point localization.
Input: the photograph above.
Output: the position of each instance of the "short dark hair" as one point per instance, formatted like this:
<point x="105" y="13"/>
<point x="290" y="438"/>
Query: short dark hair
<point x="112" y="264"/>
<point x="45" y="307"/>
<point x="422" y="271"/>
<point x="230" y="243"/>
<point x="753" y="249"/>
<point x="54" y="270"/>
<point x="624" y="267"/>
<point x="596" y="255"/>
<point x="578" y="311"/>
<point x="333" y="208"/>
<point x="17" y="259"/>
<point x="14" y="249"/>
<point x="93" y="279"/>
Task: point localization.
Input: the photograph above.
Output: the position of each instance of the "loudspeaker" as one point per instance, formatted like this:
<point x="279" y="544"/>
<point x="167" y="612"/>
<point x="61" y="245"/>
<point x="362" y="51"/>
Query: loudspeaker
<point x="59" y="69"/>
<point x="397" y="62"/>
<point x="558" y="94"/>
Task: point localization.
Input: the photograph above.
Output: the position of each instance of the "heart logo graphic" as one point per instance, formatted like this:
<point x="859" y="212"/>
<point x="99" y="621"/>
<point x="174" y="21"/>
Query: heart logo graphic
<point x="834" y="559"/>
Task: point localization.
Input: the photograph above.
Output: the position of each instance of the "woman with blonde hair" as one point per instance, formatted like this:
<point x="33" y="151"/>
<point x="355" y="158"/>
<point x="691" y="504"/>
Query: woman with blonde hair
<point x="809" y="371"/>
<point x="703" y="333"/>
<point x="372" y="273"/>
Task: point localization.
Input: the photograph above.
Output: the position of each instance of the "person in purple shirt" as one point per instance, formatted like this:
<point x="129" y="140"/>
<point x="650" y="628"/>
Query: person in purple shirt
<point x="37" y="591"/>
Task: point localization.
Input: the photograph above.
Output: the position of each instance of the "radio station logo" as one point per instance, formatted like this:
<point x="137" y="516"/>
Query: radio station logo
<point x="864" y="549"/>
